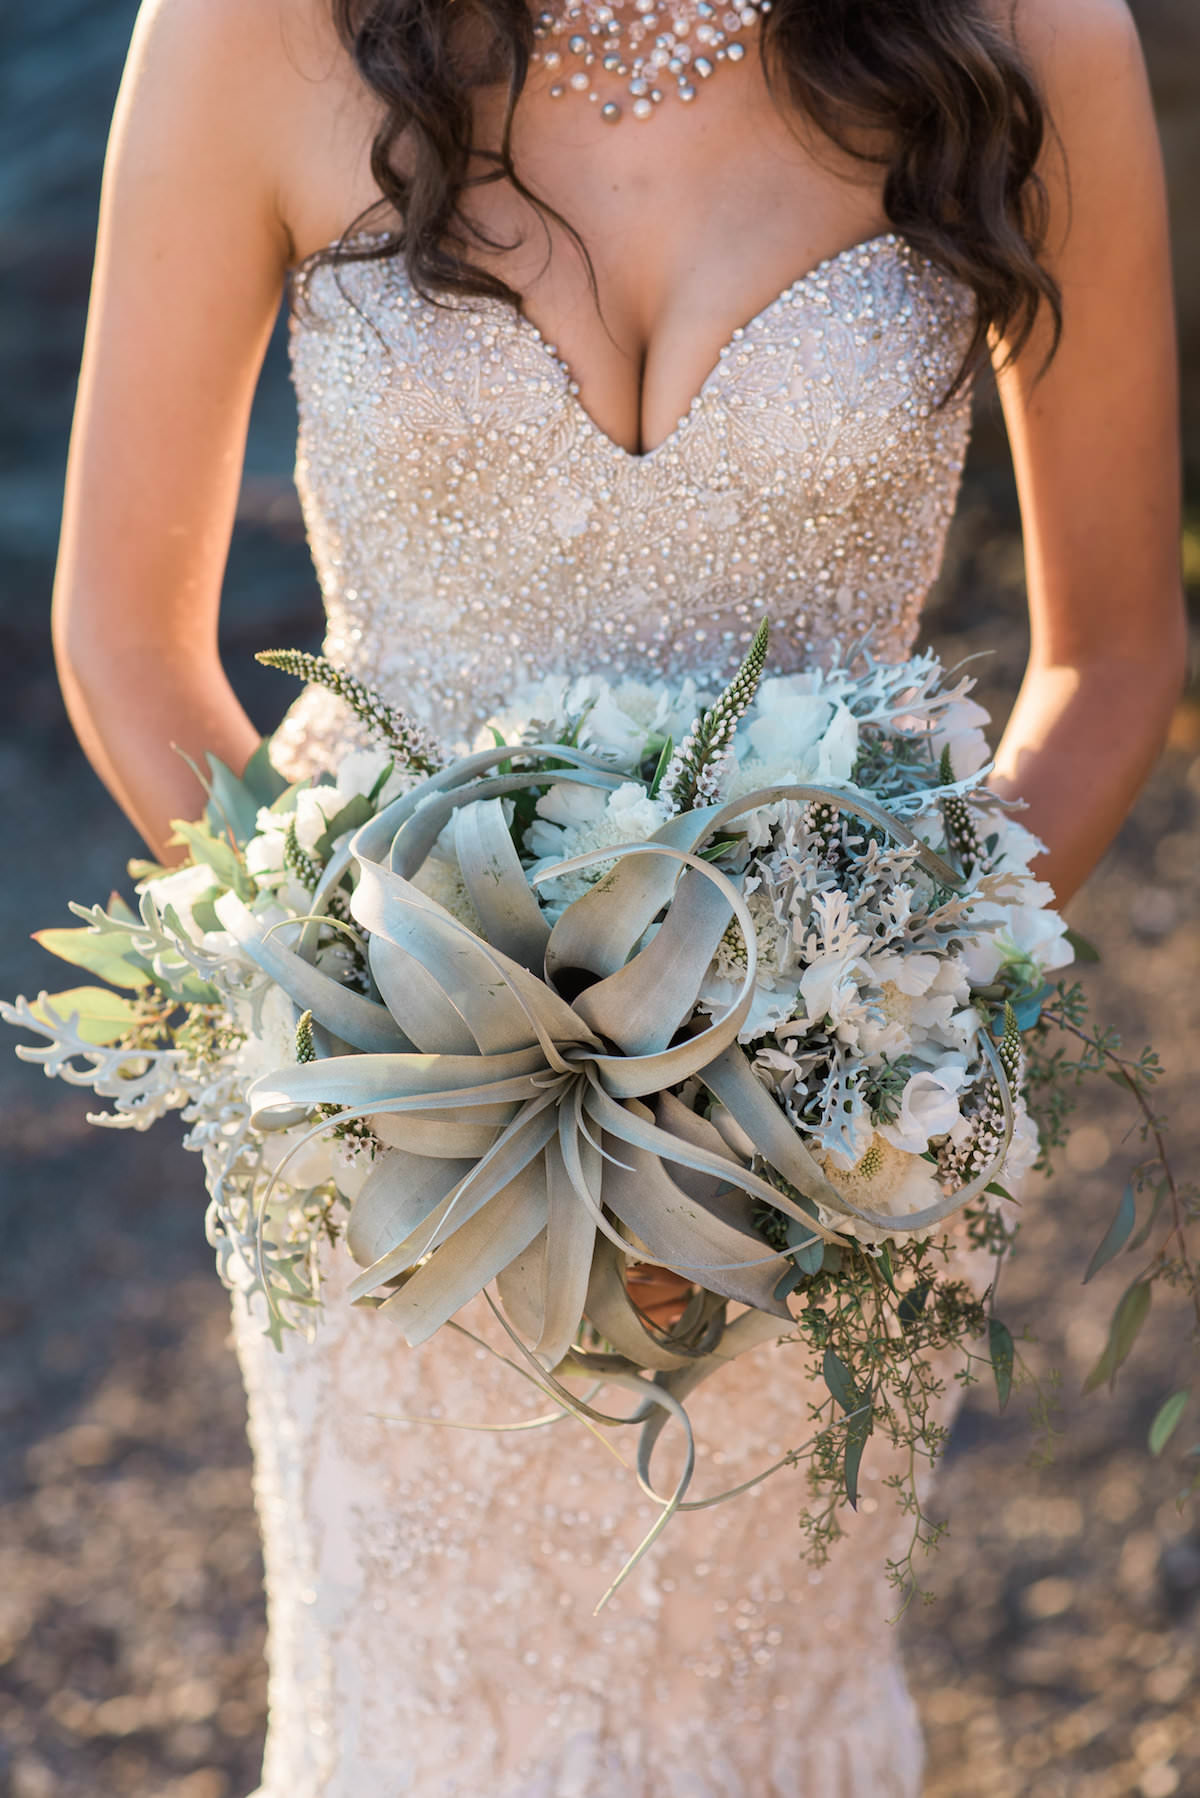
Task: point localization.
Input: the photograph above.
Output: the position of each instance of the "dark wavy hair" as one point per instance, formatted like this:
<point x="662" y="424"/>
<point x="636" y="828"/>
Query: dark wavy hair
<point x="940" y="83"/>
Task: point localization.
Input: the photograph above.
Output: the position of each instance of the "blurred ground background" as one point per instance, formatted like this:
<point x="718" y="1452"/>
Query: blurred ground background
<point x="1059" y="1658"/>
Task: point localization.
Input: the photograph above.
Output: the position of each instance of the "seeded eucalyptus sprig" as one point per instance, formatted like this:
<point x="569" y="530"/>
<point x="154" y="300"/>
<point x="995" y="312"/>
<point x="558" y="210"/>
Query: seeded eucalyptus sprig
<point x="392" y="728"/>
<point x="693" y="777"/>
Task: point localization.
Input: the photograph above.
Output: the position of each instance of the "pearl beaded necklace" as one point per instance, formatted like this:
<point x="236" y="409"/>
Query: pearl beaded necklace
<point x="679" y="41"/>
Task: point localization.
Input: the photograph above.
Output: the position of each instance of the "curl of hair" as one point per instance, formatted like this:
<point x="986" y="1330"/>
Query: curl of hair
<point x="940" y="83"/>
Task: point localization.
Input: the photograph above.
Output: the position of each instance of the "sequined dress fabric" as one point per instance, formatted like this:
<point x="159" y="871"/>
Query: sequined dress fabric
<point x="431" y="1589"/>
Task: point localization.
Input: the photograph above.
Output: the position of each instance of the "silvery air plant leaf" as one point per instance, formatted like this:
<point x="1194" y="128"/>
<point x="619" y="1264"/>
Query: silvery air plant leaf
<point x="717" y="983"/>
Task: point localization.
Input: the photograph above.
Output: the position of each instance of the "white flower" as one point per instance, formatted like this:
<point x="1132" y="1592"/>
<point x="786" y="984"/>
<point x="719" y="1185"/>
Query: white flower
<point x="913" y="974"/>
<point x="541" y="703"/>
<point x="1016" y="845"/>
<point x="1027" y="931"/>
<point x="181" y="890"/>
<point x="316" y="807"/>
<point x="359" y="772"/>
<point x="884" y="1179"/>
<point x="576" y="820"/>
<point x="960" y="730"/>
<point x="268" y="1017"/>
<point x="264" y="852"/>
<point x="620" y="718"/>
<point x="1024" y="1149"/>
<point x="928" y="1106"/>
<point x="794" y="735"/>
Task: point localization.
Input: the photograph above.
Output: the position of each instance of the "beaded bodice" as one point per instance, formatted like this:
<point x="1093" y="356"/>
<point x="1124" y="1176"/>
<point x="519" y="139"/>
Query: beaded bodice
<point x="472" y="525"/>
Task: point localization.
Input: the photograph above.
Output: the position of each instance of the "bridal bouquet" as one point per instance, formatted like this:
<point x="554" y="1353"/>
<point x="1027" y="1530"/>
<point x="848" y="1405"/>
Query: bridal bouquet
<point x="737" y="984"/>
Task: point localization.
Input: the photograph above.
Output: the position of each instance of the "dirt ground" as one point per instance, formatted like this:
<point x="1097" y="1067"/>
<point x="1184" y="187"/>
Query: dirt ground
<point x="1058" y="1658"/>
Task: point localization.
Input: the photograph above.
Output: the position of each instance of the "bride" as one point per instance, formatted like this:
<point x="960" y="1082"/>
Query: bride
<point x="600" y="353"/>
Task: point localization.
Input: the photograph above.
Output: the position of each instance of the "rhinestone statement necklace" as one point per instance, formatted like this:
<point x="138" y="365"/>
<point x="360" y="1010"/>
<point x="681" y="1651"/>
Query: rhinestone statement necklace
<point x="665" y="45"/>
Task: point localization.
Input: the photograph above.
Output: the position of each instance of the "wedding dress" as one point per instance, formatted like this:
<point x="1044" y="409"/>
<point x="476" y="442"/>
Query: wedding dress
<point x="431" y="1589"/>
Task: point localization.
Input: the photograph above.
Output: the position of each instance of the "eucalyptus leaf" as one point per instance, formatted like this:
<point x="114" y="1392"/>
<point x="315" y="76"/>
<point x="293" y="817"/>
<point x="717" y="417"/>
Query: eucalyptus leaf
<point x="232" y="805"/>
<point x="1003" y="1354"/>
<point x="102" y="954"/>
<point x="1127" y="1322"/>
<point x="912" y="1305"/>
<point x="840" y="1381"/>
<point x="1166" y="1421"/>
<point x="1160" y="1193"/>
<point x="858" y="1431"/>
<point x="261" y="777"/>
<point x="1116" y="1236"/>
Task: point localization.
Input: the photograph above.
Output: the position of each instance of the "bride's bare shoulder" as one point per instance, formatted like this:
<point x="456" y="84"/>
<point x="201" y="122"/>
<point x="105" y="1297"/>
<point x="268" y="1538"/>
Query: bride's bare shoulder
<point x="279" y="90"/>
<point x="1071" y="39"/>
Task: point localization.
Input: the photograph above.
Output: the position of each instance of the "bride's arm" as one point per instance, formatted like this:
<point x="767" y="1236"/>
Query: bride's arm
<point x="190" y="263"/>
<point x="1095" y="445"/>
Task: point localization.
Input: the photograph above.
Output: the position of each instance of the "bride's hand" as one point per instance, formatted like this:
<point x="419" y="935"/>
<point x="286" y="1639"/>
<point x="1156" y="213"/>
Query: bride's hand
<point x="661" y="1295"/>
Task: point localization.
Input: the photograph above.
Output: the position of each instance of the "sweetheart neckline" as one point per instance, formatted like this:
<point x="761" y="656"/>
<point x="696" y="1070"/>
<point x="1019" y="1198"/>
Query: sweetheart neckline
<point x="866" y="248"/>
<point x="479" y="304"/>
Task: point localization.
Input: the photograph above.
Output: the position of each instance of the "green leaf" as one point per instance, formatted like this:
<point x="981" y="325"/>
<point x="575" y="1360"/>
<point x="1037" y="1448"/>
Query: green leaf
<point x="215" y="853"/>
<point x="1000" y="1347"/>
<point x="261" y="775"/>
<point x="385" y="774"/>
<point x="1160" y="1193"/>
<point x="840" y="1381"/>
<point x="204" y="914"/>
<point x="232" y="808"/>
<point x="912" y="1304"/>
<point x="101" y="1016"/>
<point x="996" y="1191"/>
<point x="139" y="869"/>
<point x="789" y="1282"/>
<point x="883" y="1262"/>
<point x="1166" y="1421"/>
<point x="1128" y="1319"/>
<point x="1116" y="1236"/>
<point x="1027" y="1009"/>
<point x="811" y="1258"/>
<point x="107" y="956"/>
<point x="355" y="812"/>
<point x="664" y="762"/>
<point x="857" y="1432"/>
<point x="1084" y="951"/>
<point x="809" y="1250"/>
